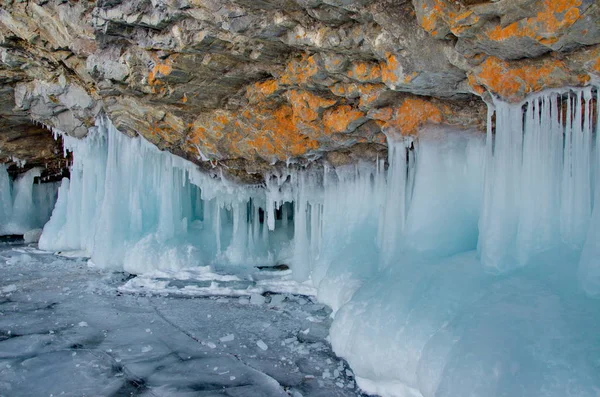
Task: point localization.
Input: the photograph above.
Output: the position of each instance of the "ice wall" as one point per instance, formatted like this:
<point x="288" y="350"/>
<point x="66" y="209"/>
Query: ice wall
<point x="24" y="206"/>
<point x="511" y="318"/>
<point x="539" y="183"/>
<point x="464" y="265"/>
<point x="130" y="205"/>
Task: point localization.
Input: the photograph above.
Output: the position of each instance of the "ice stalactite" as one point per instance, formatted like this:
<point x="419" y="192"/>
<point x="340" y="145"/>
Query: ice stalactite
<point x="130" y="205"/>
<point x="454" y="268"/>
<point x="448" y="324"/>
<point x="24" y="205"/>
<point x="589" y="271"/>
<point x="539" y="178"/>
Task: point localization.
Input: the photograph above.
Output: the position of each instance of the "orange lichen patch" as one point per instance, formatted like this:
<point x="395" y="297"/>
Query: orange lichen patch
<point x="513" y="81"/>
<point x="369" y="93"/>
<point x="429" y="23"/>
<point x="461" y="22"/>
<point x="555" y="16"/>
<point x="267" y="87"/>
<point x="410" y="77"/>
<point x="414" y="113"/>
<point x="389" y="68"/>
<point x="254" y="131"/>
<point x="382" y="114"/>
<point x="365" y="72"/>
<point x="279" y="136"/>
<point x="439" y="17"/>
<point x="308" y="106"/>
<point x="392" y="72"/>
<point x="346" y="90"/>
<point x="300" y="71"/>
<point x="170" y="129"/>
<point x="340" y="89"/>
<point x="260" y="91"/>
<point x="340" y="118"/>
<point x="200" y="142"/>
<point x="160" y="69"/>
<point x="596" y="66"/>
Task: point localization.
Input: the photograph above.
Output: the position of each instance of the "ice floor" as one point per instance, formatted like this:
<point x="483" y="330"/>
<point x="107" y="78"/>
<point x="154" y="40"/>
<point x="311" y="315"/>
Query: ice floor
<point x="70" y="329"/>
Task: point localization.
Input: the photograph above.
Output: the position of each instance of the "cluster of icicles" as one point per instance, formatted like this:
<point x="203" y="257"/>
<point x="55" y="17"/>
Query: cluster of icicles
<point x="528" y="188"/>
<point x="24" y="205"/>
<point x="407" y="252"/>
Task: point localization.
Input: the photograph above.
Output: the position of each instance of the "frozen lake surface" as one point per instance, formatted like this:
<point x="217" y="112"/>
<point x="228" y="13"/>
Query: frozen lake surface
<point x="67" y="328"/>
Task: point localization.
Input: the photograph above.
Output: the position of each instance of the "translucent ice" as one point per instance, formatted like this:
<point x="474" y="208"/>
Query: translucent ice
<point x="24" y="205"/>
<point x="461" y="266"/>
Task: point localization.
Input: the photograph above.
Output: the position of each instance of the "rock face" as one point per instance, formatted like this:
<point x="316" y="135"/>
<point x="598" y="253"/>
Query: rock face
<point x="246" y="85"/>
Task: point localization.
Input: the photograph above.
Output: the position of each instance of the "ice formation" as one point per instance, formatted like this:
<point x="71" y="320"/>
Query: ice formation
<point x="463" y="265"/>
<point x="129" y="205"/>
<point x="24" y="205"/>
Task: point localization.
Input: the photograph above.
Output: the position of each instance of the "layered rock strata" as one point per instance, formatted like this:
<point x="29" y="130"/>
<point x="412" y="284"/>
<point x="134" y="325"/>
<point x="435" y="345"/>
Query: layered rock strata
<point x="242" y="87"/>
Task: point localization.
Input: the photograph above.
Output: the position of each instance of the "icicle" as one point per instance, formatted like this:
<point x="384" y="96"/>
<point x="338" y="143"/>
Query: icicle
<point x="24" y="206"/>
<point x="589" y="265"/>
<point x="6" y="204"/>
<point x="396" y="205"/>
<point x="538" y="179"/>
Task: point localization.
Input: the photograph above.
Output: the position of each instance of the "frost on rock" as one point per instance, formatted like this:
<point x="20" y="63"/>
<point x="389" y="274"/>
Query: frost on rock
<point x="24" y="205"/>
<point x="463" y="265"/>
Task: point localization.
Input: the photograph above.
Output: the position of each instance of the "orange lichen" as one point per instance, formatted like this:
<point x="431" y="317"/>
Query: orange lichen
<point x="269" y="134"/>
<point x="339" y="118"/>
<point x="440" y="16"/>
<point x="596" y="66"/>
<point x="389" y="67"/>
<point x="434" y="17"/>
<point x="554" y="16"/>
<point x="262" y="90"/>
<point x="382" y="114"/>
<point x="429" y="23"/>
<point x="300" y="71"/>
<point x="415" y="113"/>
<point x="265" y="88"/>
<point x="169" y="129"/>
<point x="512" y="81"/>
<point x="201" y="143"/>
<point x="460" y="22"/>
<point x="279" y="136"/>
<point x="365" y="71"/>
<point x="369" y="93"/>
<point x="340" y="89"/>
<point x="159" y="70"/>
<point x="306" y="105"/>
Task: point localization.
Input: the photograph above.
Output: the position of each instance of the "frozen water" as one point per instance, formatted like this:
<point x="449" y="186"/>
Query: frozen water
<point x="24" y="206"/>
<point x="462" y="266"/>
<point x="66" y="330"/>
<point x="509" y="319"/>
<point x="133" y="207"/>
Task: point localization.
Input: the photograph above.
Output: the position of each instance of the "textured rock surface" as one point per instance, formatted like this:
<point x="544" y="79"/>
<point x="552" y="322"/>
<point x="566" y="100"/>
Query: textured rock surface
<point x="245" y="85"/>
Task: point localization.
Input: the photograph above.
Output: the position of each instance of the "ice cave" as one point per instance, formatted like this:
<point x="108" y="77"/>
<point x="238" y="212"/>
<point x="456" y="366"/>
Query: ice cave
<point x="322" y="199"/>
<point x="460" y="265"/>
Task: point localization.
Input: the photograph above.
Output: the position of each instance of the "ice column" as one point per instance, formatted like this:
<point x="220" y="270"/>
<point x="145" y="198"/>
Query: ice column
<point x="397" y="197"/>
<point x="24" y="206"/>
<point x="538" y="186"/>
<point x="5" y="196"/>
<point x="589" y="268"/>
